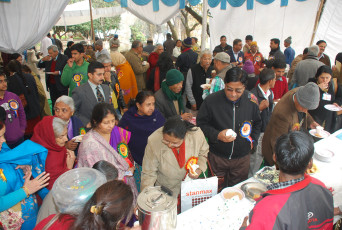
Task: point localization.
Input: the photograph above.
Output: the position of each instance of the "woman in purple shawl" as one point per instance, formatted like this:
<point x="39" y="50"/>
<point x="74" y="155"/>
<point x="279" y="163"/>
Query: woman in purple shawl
<point x="105" y="141"/>
<point x="141" y="120"/>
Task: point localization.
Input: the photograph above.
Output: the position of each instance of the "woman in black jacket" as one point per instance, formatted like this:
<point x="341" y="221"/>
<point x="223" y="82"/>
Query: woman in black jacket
<point x="25" y="87"/>
<point x="158" y="74"/>
<point x="330" y="93"/>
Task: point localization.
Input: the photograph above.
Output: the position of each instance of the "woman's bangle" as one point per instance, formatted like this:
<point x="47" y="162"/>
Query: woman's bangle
<point x="26" y="191"/>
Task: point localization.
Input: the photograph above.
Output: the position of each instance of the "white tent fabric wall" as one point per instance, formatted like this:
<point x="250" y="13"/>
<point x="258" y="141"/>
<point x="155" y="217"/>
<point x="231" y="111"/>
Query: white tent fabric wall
<point x="265" y="22"/>
<point x="79" y="13"/>
<point x="330" y="28"/>
<point x="24" y="23"/>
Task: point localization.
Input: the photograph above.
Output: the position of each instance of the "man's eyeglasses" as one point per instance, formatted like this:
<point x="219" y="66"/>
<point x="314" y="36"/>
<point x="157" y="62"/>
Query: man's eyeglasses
<point x="238" y="90"/>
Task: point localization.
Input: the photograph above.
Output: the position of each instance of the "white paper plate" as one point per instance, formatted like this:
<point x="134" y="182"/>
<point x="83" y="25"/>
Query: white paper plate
<point x="324" y="155"/>
<point x="324" y="133"/>
<point x="205" y="86"/>
<point x="78" y="138"/>
<point x="332" y="107"/>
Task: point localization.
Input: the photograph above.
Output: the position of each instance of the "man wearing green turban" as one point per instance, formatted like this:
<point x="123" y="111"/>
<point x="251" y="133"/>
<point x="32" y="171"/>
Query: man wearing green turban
<point x="169" y="100"/>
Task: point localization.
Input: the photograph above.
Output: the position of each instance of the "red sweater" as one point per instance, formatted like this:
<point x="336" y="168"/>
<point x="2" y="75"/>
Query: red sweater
<point x="280" y="88"/>
<point x="65" y="222"/>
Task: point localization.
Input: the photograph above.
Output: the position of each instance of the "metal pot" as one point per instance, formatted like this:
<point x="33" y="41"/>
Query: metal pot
<point x="156" y="209"/>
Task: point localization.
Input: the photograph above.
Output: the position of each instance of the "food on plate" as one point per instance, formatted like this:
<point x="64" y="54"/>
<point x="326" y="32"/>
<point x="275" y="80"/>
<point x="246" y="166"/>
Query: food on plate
<point x="256" y="196"/>
<point x="318" y="135"/>
<point x="231" y="194"/>
<point x="268" y="175"/>
<point x="313" y="169"/>
<point x="253" y="190"/>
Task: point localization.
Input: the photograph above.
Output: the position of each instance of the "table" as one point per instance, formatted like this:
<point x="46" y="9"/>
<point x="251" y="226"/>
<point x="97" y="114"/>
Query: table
<point x="209" y="215"/>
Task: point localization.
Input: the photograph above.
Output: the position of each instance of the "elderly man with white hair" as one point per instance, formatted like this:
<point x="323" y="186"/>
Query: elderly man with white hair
<point x="111" y="79"/>
<point x="64" y="108"/>
<point x="53" y="65"/>
<point x="196" y="77"/>
<point x="100" y="50"/>
<point x="307" y="68"/>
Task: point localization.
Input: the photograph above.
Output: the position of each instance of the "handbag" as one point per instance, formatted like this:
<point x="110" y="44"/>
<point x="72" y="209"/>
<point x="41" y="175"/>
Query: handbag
<point x="11" y="219"/>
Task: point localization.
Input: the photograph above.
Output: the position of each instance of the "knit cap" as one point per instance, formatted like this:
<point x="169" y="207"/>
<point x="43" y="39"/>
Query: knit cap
<point x="173" y="77"/>
<point x="187" y="42"/>
<point x="248" y="67"/>
<point x="288" y="40"/>
<point x="254" y="43"/>
<point x="308" y="96"/>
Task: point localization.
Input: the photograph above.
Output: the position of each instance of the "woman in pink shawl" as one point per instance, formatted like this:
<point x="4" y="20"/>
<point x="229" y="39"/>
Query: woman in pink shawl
<point x="108" y="142"/>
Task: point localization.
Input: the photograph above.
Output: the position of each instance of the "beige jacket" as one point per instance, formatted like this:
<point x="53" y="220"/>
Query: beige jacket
<point x="160" y="166"/>
<point x="138" y="68"/>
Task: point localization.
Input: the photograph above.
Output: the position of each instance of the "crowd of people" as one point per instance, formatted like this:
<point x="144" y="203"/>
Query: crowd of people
<point x="139" y="117"/>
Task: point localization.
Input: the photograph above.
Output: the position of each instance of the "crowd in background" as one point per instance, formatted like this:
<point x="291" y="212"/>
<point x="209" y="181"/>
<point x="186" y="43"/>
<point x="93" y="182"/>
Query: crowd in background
<point x="145" y="113"/>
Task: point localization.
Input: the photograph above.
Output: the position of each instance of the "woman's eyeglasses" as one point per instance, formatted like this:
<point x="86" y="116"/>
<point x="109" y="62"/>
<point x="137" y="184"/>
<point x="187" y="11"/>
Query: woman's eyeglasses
<point x="172" y="144"/>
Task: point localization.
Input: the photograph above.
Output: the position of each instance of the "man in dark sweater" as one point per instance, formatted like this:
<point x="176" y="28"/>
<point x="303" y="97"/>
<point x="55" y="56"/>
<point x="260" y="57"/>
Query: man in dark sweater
<point x="236" y="109"/>
<point x="196" y="77"/>
<point x="275" y="52"/>
<point x="223" y="47"/>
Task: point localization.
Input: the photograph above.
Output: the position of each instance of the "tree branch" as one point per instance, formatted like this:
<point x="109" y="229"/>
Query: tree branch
<point x="173" y="30"/>
<point x="196" y="16"/>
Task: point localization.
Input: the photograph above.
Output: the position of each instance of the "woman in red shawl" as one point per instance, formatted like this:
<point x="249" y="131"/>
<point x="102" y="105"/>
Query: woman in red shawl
<point x="51" y="132"/>
<point x="153" y="58"/>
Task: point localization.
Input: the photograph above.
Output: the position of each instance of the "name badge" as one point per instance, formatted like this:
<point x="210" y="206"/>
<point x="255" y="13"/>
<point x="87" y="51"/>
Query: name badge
<point x="326" y="97"/>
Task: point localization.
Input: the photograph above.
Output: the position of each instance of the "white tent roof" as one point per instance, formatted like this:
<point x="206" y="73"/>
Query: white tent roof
<point x="79" y="13"/>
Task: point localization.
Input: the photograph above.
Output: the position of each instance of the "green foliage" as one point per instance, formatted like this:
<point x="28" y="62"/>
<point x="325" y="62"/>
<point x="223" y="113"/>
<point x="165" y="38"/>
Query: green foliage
<point x="137" y="31"/>
<point x="101" y="25"/>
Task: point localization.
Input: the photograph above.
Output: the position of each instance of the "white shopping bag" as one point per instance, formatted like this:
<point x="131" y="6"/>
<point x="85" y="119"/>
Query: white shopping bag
<point x="194" y="192"/>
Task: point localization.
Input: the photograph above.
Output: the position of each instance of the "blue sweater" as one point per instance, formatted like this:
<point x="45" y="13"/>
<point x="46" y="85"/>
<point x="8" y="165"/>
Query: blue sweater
<point x="141" y="127"/>
<point x="289" y="55"/>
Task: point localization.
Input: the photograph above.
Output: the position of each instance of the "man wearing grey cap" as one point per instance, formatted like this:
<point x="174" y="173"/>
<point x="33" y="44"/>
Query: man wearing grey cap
<point x="100" y="50"/>
<point x="222" y="64"/>
<point x="290" y="114"/>
<point x="307" y="68"/>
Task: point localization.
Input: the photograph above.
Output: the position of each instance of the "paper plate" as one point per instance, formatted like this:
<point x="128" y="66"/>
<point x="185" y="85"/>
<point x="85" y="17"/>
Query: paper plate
<point x="205" y="86"/>
<point x="332" y="107"/>
<point x="324" y="133"/>
<point x="324" y="155"/>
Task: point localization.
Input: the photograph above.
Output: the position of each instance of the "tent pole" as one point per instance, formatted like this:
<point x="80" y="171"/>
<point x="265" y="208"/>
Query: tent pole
<point x="204" y="24"/>
<point x="318" y="16"/>
<point x="91" y="20"/>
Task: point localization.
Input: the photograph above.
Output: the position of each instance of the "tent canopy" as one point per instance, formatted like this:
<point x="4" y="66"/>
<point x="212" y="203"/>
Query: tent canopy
<point x="79" y="13"/>
<point x="24" y="23"/>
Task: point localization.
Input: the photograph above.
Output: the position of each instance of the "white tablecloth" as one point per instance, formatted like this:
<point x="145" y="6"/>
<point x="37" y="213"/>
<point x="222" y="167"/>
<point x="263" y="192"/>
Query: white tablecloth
<point x="209" y="215"/>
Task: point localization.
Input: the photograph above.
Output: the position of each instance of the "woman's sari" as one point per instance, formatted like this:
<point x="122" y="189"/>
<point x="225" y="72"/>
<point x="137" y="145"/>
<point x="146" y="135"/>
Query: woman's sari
<point x="28" y="153"/>
<point x="95" y="148"/>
